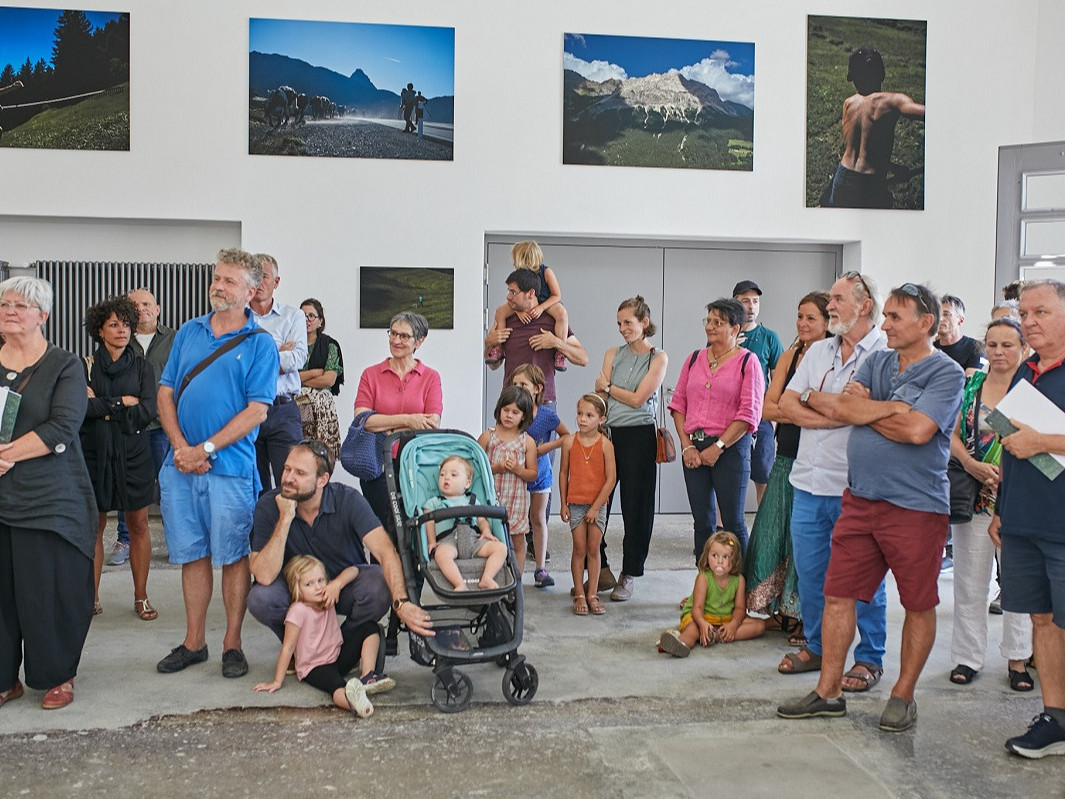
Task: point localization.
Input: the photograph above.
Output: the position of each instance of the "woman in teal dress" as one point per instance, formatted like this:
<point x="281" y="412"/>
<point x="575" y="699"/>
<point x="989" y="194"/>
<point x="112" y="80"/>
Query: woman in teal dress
<point x="770" y="569"/>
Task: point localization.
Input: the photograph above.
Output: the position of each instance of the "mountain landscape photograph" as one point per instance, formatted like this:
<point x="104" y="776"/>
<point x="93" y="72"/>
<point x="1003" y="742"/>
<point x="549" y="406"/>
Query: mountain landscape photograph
<point x="674" y="103"/>
<point x="352" y="90"/>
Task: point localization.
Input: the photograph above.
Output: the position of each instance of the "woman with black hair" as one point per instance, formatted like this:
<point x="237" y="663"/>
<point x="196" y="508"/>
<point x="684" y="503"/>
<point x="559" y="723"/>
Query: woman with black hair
<point x="114" y="438"/>
<point x="320" y="380"/>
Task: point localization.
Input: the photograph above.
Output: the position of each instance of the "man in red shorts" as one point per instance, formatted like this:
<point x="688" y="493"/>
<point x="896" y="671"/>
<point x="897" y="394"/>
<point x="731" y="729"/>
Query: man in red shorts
<point x="902" y="402"/>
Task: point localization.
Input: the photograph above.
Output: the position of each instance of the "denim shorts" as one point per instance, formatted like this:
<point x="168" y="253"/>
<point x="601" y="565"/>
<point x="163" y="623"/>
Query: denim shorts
<point x="1033" y="576"/>
<point x="578" y="512"/>
<point x="206" y="515"/>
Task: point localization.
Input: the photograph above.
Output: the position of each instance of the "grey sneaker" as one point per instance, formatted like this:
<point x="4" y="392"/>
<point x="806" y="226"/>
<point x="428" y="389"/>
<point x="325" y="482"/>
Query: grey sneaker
<point x="671" y="644"/>
<point x="898" y="715"/>
<point x="359" y="703"/>
<point x="811" y="706"/>
<point x="119" y="554"/>
<point x="623" y="590"/>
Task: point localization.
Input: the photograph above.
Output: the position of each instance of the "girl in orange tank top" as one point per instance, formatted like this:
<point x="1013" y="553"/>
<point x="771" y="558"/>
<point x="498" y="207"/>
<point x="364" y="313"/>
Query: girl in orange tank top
<point x="586" y="476"/>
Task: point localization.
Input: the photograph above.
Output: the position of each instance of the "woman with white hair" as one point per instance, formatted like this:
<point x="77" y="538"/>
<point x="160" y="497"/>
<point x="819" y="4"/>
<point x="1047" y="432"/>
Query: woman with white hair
<point x="47" y="505"/>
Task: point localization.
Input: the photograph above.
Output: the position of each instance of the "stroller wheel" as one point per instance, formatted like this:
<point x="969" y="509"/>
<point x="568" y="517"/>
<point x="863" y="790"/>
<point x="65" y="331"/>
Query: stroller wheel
<point x="452" y="691"/>
<point x="520" y="684"/>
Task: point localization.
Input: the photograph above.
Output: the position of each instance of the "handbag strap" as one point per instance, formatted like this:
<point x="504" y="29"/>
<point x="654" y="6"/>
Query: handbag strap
<point x="33" y="369"/>
<point x="214" y="356"/>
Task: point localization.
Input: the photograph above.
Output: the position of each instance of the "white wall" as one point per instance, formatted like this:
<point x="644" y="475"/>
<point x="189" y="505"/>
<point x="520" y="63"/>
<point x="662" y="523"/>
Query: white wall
<point x="323" y="218"/>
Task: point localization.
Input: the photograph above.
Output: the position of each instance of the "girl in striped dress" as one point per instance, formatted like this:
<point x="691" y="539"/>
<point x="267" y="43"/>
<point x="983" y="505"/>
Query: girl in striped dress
<point x="512" y="455"/>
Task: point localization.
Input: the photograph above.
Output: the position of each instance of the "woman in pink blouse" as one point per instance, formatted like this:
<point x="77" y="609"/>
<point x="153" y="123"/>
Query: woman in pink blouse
<point x="716" y="407"/>
<point x="404" y="392"/>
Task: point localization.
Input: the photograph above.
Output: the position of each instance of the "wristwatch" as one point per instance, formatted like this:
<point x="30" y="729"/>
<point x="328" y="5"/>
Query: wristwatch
<point x="804" y="398"/>
<point x="208" y="447"/>
<point x="608" y="387"/>
<point x="720" y="445"/>
<point x="398" y="603"/>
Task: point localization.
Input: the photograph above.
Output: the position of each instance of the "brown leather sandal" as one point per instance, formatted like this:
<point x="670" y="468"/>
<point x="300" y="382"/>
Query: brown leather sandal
<point x="14" y="692"/>
<point x="580" y="605"/>
<point x="595" y="606"/>
<point x="60" y="696"/>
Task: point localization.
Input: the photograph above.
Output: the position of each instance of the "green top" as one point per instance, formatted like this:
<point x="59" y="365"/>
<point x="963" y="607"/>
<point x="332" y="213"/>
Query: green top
<point x="719" y="601"/>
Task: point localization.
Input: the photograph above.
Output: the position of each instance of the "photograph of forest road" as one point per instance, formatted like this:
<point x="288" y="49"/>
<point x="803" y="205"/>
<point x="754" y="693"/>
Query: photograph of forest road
<point x="638" y="101"/>
<point x="351" y="90"/>
<point x="64" y="79"/>
<point x="865" y="92"/>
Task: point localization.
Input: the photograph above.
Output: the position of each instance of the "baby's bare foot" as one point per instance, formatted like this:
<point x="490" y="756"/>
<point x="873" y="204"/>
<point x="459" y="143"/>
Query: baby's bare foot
<point x="487" y="582"/>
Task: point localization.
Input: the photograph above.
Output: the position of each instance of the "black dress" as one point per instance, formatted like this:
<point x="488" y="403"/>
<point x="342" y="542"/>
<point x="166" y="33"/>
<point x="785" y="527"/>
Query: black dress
<point x="114" y="437"/>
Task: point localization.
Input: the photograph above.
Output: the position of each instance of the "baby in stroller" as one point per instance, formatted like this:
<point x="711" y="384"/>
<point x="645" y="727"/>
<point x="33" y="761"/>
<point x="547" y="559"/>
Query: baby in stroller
<point x="463" y="538"/>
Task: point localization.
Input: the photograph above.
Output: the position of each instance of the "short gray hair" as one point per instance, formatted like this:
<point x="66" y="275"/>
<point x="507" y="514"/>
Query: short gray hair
<point x="1057" y="285"/>
<point x="265" y="256"/>
<point x="253" y="271"/>
<point x="32" y="289"/>
<point x="419" y="325"/>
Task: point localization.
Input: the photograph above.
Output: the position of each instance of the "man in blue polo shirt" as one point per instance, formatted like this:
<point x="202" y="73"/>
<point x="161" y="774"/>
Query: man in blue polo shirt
<point x="309" y="515"/>
<point x="209" y="483"/>
<point x="1029" y="517"/>
<point x="764" y="343"/>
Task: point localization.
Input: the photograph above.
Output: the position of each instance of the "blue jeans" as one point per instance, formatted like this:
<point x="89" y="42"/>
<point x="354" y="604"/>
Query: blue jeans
<point x="812" y="520"/>
<point x="727" y="481"/>
<point x="159" y="445"/>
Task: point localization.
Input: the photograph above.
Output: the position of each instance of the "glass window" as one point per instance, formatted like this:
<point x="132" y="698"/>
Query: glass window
<point x="1044" y="192"/>
<point x="1043" y="237"/>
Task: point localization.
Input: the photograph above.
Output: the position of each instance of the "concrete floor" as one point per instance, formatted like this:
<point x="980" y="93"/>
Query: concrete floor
<point x="612" y="716"/>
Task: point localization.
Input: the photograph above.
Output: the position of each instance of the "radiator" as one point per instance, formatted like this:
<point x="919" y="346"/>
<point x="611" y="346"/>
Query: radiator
<point x="181" y="290"/>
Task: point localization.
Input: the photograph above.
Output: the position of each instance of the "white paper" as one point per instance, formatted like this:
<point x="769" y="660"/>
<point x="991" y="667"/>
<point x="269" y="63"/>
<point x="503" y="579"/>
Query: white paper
<point x="1027" y="405"/>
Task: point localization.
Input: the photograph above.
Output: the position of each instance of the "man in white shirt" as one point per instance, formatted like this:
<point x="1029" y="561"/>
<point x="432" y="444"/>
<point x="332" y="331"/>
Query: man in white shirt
<point x="820" y="475"/>
<point x="282" y="428"/>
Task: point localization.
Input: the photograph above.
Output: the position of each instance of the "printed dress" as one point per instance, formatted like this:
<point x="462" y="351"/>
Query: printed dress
<point x="511" y="491"/>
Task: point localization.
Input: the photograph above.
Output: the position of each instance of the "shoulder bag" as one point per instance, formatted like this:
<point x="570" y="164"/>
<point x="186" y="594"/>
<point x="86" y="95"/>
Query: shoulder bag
<point x="360" y="454"/>
<point x="964" y="488"/>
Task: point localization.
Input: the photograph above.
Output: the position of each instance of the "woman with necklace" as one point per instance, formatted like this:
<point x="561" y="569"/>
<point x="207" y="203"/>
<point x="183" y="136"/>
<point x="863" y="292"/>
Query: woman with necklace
<point x="716" y="406"/>
<point x="772" y="584"/>
<point x="978" y="449"/>
<point x="115" y="441"/>
<point x="320" y="379"/>
<point x="629" y="382"/>
<point x="47" y="508"/>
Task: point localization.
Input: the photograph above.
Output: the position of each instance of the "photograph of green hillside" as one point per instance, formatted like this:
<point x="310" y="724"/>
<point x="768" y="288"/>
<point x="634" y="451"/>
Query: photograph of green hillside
<point x="384" y="291"/>
<point x="865" y="93"/>
<point x="351" y="90"/>
<point x="675" y="103"/>
<point x="64" y="79"/>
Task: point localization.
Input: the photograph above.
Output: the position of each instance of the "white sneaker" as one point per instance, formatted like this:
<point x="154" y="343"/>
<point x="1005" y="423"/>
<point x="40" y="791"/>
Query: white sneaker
<point x="119" y="554"/>
<point x="359" y="702"/>
<point x="623" y="590"/>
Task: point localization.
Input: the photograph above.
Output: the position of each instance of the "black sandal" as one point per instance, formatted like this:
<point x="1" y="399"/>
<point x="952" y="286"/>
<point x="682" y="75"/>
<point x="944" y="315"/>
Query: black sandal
<point x="962" y="674"/>
<point x="1021" y="680"/>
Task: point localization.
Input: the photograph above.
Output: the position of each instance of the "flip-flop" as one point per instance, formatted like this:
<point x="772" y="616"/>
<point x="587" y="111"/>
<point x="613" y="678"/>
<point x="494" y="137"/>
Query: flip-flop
<point x="580" y="605"/>
<point x="798" y="665"/>
<point x="870" y="677"/>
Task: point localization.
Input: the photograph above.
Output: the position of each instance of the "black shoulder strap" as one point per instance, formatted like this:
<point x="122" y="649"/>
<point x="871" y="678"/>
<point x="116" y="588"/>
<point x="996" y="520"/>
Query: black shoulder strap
<point x="214" y="356"/>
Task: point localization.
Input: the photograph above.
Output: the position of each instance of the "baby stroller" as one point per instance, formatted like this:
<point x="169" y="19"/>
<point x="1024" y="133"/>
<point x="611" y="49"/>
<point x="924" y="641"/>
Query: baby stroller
<point x="473" y="626"/>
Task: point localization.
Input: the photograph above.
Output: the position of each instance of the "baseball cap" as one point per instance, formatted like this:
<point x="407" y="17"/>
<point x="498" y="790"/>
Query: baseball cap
<point x="744" y="286"/>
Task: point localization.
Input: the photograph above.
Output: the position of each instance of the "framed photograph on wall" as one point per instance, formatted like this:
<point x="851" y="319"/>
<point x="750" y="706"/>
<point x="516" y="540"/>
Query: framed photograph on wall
<point x="351" y="90"/>
<point x="865" y="93"/>
<point x="384" y="291"/>
<point x="64" y="79"/>
<point x="640" y="101"/>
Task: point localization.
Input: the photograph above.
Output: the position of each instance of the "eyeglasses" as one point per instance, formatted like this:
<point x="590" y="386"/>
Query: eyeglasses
<point x="312" y="316"/>
<point x="913" y="290"/>
<point x="404" y="337"/>
<point x="18" y="307"/>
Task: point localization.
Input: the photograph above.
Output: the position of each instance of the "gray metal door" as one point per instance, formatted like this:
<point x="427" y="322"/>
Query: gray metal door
<point x="677" y="280"/>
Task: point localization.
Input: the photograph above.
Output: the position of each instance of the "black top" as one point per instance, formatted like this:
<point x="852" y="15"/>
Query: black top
<point x="51" y="492"/>
<point x="335" y="538"/>
<point x="966" y="352"/>
<point x="319" y="355"/>
<point x="788" y="434"/>
<point x="114" y="437"/>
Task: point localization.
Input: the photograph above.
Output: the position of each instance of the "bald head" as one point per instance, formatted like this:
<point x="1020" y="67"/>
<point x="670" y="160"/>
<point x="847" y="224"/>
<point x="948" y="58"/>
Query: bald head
<point x="147" y="308"/>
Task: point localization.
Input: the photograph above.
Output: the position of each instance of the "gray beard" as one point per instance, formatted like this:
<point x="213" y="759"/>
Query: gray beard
<point x="840" y="328"/>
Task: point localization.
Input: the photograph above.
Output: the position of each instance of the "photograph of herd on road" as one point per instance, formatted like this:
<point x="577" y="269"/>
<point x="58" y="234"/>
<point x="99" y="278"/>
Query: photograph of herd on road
<point x="351" y="90"/>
